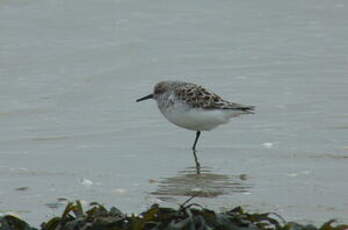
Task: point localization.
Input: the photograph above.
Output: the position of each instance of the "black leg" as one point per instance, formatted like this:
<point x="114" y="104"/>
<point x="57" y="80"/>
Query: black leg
<point x="198" y="133"/>
<point x="198" y="166"/>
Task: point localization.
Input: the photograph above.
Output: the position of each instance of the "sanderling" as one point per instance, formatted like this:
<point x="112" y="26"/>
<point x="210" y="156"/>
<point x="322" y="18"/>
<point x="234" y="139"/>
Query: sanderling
<point x="193" y="107"/>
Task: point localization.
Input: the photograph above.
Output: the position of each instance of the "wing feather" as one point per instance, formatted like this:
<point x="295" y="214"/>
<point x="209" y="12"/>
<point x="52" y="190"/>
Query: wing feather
<point x="199" y="97"/>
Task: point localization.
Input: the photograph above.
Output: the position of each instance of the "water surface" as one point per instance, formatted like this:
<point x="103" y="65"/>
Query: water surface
<point x="70" y="72"/>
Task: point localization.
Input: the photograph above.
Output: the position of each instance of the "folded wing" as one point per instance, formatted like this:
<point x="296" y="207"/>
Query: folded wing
<point x="199" y="97"/>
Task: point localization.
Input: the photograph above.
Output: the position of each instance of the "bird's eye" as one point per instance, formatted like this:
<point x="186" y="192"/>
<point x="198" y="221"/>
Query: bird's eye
<point x="159" y="90"/>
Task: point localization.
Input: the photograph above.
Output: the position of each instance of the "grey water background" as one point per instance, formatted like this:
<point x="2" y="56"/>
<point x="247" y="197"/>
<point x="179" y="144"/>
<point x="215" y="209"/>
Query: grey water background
<point x="70" y="72"/>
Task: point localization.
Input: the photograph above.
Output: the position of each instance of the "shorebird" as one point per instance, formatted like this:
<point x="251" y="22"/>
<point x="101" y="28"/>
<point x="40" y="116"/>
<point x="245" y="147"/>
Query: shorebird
<point x="193" y="107"/>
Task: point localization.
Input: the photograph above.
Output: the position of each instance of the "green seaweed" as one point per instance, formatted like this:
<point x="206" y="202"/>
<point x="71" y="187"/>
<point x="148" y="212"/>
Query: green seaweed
<point x="10" y="222"/>
<point x="189" y="216"/>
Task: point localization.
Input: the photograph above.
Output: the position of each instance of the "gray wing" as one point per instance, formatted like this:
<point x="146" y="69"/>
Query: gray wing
<point x="199" y="97"/>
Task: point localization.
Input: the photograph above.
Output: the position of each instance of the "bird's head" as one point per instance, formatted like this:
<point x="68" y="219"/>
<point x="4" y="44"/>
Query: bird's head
<point x="159" y="89"/>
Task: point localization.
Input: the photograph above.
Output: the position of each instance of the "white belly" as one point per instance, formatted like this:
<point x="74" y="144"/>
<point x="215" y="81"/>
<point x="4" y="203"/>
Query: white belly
<point x="195" y="119"/>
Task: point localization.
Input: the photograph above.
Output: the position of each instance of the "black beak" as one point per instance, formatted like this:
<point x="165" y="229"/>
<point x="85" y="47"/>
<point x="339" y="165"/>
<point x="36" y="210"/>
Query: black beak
<point x="150" y="96"/>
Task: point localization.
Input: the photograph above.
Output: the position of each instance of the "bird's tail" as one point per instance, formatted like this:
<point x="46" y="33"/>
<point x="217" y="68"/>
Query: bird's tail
<point x="243" y="109"/>
<point x="248" y="109"/>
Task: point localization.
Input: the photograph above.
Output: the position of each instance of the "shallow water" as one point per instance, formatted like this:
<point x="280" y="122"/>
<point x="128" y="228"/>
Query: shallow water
<point x="70" y="72"/>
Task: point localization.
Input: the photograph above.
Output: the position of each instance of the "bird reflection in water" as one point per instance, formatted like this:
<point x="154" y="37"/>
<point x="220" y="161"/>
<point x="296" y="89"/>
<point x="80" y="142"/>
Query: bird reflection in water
<point x="198" y="165"/>
<point x="203" y="184"/>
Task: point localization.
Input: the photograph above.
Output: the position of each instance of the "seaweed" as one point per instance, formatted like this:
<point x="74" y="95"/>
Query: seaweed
<point x="189" y="216"/>
<point x="10" y="222"/>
